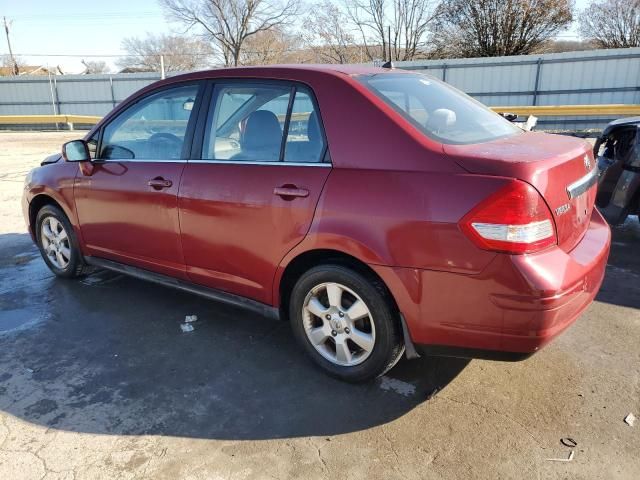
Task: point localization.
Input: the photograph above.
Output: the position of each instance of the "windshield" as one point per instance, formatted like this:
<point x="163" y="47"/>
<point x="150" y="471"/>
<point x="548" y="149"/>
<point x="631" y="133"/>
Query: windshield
<point x="439" y="110"/>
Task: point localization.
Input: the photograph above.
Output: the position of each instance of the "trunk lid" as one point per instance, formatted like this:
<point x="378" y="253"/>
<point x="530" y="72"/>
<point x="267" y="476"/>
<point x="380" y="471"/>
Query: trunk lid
<point x="561" y="168"/>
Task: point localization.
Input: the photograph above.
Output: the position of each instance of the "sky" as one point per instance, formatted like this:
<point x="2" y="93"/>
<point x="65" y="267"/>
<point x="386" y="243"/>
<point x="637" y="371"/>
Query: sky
<point x="75" y="27"/>
<point x="90" y="28"/>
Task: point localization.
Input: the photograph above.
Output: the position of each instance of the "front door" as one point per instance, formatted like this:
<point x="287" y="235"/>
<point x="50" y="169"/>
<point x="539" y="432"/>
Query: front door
<point x="128" y="204"/>
<point x="250" y="196"/>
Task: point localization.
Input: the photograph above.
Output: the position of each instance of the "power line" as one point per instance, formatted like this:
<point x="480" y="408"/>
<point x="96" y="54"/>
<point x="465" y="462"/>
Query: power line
<point x="88" y="21"/>
<point x="114" y="55"/>
<point x="83" y="16"/>
<point x="107" y="19"/>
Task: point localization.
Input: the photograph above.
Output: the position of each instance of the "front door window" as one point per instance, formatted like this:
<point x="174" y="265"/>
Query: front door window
<point x="152" y="129"/>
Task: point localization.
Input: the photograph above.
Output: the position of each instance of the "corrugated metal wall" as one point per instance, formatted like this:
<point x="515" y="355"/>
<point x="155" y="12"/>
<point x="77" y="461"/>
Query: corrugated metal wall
<point x="572" y="78"/>
<point x="71" y="94"/>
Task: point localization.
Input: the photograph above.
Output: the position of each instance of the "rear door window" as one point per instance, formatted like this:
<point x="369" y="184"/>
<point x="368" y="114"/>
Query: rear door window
<point x="246" y="122"/>
<point x="305" y="139"/>
<point x="270" y="122"/>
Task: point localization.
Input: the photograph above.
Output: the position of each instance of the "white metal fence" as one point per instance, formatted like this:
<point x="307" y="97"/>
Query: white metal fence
<point x="68" y="94"/>
<point x="572" y="78"/>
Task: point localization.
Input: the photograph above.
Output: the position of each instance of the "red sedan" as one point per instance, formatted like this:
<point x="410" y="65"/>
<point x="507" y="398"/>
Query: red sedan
<point x="379" y="211"/>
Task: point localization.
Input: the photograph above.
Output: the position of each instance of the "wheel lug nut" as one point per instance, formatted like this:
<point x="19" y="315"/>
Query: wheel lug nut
<point x="334" y="333"/>
<point x="328" y="317"/>
<point x="347" y="330"/>
<point x="341" y="314"/>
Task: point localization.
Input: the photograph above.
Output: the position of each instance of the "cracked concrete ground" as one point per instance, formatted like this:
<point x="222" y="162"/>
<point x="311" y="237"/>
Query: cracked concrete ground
<point x="97" y="381"/>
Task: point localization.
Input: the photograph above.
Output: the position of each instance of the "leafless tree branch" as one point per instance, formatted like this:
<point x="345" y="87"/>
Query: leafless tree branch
<point x="180" y="53"/>
<point x="612" y="23"/>
<point x="409" y="22"/>
<point x="487" y="28"/>
<point x="330" y="37"/>
<point x="228" y="24"/>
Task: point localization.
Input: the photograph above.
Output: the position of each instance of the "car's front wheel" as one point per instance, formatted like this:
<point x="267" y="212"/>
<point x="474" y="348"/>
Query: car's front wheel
<point x="345" y="322"/>
<point x="57" y="242"/>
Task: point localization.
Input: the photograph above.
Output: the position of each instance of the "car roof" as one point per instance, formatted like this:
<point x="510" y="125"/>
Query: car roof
<point x="283" y="70"/>
<point x="348" y="69"/>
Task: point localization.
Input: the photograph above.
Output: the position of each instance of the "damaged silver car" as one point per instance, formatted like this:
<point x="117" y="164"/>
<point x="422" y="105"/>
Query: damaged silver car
<point x="617" y="151"/>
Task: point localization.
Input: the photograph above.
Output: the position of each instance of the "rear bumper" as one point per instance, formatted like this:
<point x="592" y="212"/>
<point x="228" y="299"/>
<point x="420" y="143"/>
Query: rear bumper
<point x="516" y="305"/>
<point x="479" y="353"/>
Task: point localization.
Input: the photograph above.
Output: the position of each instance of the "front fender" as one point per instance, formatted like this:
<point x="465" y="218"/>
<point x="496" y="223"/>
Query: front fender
<point x="55" y="182"/>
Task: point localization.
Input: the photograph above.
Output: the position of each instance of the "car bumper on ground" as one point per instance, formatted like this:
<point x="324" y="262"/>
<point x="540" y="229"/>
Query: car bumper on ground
<point x="510" y="310"/>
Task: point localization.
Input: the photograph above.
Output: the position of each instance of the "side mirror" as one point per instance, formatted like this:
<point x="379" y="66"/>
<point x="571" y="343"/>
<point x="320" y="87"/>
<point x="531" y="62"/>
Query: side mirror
<point x="117" y="152"/>
<point x="76" y="151"/>
<point x="188" y="105"/>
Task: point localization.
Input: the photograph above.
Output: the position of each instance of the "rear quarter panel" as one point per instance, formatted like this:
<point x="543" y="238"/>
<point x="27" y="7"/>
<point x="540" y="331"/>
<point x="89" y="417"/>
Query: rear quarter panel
<point x="548" y="162"/>
<point x="398" y="219"/>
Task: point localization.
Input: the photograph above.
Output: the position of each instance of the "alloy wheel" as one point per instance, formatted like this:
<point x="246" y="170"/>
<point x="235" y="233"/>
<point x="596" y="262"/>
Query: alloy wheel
<point x="338" y="324"/>
<point x="55" y="242"/>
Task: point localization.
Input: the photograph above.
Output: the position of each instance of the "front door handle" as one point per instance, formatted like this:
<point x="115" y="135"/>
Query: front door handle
<point x="289" y="192"/>
<point x="159" y="183"/>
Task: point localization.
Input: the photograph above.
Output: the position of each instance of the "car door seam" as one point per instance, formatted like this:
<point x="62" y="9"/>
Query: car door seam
<point x="179" y="208"/>
<point x="303" y="237"/>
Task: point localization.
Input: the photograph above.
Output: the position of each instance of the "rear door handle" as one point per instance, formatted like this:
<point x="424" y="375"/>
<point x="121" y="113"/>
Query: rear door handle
<point x="159" y="183"/>
<point x="289" y="192"/>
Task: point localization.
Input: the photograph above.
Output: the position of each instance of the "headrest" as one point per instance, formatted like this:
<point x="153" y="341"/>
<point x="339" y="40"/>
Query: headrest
<point x="441" y="119"/>
<point x="262" y="130"/>
<point x="313" y="128"/>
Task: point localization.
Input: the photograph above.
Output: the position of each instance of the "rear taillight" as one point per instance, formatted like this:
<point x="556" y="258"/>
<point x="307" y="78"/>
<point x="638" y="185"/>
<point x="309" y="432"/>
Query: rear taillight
<point x="515" y="219"/>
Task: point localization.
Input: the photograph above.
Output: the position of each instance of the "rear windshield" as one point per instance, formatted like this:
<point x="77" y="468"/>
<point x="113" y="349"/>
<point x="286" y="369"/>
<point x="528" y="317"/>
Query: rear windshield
<point x="440" y="111"/>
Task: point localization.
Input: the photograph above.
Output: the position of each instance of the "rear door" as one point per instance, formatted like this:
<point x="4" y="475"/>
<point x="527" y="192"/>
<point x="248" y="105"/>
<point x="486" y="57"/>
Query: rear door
<point x="128" y="202"/>
<point x="249" y="195"/>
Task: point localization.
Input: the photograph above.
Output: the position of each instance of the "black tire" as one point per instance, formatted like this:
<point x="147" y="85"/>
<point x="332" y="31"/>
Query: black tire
<point x="76" y="265"/>
<point x="388" y="346"/>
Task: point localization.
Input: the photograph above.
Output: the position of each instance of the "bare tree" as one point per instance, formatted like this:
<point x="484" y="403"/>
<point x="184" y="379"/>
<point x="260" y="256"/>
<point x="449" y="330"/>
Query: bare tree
<point x="272" y="46"/>
<point x="399" y="26"/>
<point x="558" y="46"/>
<point x="612" y="23"/>
<point x="489" y="28"/>
<point x="329" y="36"/>
<point x="229" y="23"/>
<point x="10" y="63"/>
<point x="95" y="66"/>
<point x="179" y="53"/>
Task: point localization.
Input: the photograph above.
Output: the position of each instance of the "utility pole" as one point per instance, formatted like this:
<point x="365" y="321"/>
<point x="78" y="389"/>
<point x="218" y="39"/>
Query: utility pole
<point x="14" y="65"/>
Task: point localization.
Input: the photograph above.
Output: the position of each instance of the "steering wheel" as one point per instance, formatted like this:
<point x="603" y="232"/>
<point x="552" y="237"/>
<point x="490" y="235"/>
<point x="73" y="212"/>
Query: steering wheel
<point x="165" y="145"/>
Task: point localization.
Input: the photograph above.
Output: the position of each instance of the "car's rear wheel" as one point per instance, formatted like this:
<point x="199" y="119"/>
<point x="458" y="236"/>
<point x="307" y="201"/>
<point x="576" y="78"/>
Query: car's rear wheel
<point x="57" y="242"/>
<point x="345" y="322"/>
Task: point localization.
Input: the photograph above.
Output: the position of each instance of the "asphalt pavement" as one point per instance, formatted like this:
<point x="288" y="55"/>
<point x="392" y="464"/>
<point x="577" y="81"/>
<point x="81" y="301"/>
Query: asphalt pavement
<point x="97" y="380"/>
